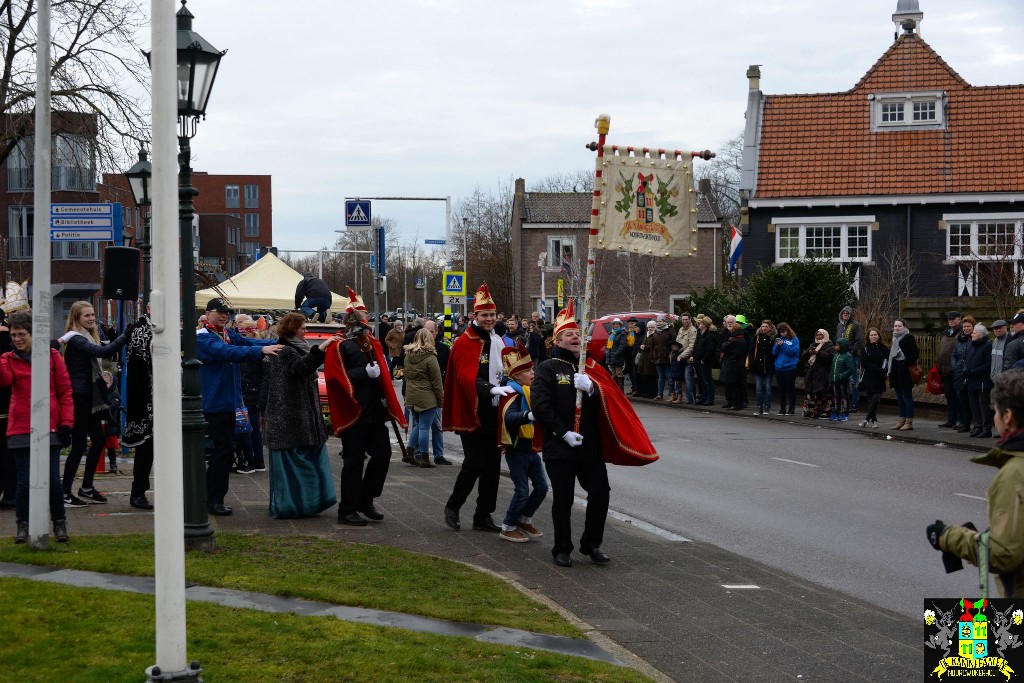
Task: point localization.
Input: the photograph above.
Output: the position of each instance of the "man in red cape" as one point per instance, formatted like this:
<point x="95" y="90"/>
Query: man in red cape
<point x="363" y="401"/>
<point x="609" y="432"/>
<point x="471" y="391"/>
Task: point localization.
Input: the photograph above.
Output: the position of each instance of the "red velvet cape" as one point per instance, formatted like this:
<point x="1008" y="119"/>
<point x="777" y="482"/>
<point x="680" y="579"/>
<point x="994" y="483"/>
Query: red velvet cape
<point x="341" y="395"/>
<point x="624" y="440"/>
<point x="461" y="403"/>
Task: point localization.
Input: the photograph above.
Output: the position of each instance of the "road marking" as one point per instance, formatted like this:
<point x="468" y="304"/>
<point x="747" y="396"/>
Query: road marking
<point x="741" y="586"/>
<point x="639" y="524"/>
<point x="796" y="462"/>
<point x="967" y="495"/>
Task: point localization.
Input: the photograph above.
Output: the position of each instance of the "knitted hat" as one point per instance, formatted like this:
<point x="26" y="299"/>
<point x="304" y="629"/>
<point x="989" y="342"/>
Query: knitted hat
<point x="515" y="359"/>
<point x="482" y="301"/>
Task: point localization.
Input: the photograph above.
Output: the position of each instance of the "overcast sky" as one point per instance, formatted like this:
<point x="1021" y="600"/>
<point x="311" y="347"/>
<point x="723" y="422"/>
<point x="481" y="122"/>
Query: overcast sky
<point x="337" y="98"/>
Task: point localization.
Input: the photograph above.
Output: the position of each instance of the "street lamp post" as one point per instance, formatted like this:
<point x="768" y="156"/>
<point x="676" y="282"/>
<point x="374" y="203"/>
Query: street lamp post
<point x="139" y="177"/>
<point x="197" y="68"/>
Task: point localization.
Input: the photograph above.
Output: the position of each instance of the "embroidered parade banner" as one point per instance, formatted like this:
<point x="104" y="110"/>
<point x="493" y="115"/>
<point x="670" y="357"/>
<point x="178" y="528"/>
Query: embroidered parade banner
<point x="648" y="202"/>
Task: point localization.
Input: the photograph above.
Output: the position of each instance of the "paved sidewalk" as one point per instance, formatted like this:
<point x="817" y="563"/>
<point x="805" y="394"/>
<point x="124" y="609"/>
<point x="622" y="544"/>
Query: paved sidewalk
<point x="675" y="609"/>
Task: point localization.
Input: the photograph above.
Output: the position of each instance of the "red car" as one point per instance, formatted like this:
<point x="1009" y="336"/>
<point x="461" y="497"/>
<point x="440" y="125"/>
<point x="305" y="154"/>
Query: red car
<point x="315" y="334"/>
<point x="597" y="336"/>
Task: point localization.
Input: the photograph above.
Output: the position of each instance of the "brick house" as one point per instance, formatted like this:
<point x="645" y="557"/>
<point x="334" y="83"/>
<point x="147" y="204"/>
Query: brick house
<point x="912" y="161"/>
<point x="550" y="235"/>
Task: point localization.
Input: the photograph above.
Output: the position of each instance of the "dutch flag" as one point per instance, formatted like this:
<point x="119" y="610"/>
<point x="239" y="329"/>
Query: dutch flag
<point x="735" y="248"/>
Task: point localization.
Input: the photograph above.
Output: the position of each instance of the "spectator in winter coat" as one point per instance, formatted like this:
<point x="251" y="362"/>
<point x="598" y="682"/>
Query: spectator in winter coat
<point x="686" y="337"/>
<point x="978" y="373"/>
<point x="734" y="359"/>
<point x="675" y="372"/>
<point x="83" y="348"/>
<point x="394" y="340"/>
<point x="839" y="376"/>
<point x="762" y="363"/>
<point x="944" y="362"/>
<point x="902" y="355"/>
<point x="786" y="351"/>
<point x="874" y="358"/>
<point x="816" y="383"/>
<point x="635" y="341"/>
<point x="1013" y="351"/>
<point x="660" y="343"/>
<point x="253" y="396"/>
<point x="998" y="345"/>
<point x="705" y="353"/>
<point x="615" y="354"/>
<point x="311" y="294"/>
<point x="959" y="363"/>
<point x="850" y="330"/>
<point x="647" y="372"/>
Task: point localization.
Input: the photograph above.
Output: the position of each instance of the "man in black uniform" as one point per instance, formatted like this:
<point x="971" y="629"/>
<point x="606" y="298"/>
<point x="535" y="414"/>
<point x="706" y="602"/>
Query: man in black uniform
<point x="570" y="455"/>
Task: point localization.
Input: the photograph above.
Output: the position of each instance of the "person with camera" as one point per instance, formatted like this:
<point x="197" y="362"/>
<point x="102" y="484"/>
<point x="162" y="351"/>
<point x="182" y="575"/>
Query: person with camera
<point x="1001" y="547"/>
<point x="16" y="373"/>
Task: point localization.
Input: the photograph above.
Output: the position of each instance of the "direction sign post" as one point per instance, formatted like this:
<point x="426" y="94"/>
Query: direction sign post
<point x="435" y="242"/>
<point x="85" y="222"/>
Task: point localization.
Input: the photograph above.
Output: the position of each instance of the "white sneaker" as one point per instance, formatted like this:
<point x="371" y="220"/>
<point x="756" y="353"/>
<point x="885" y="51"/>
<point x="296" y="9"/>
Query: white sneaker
<point x="874" y="424"/>
<point x="863" y="423"/>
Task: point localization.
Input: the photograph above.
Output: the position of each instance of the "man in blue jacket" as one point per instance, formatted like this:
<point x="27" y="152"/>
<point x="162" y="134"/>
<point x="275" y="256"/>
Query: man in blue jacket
<point x="221" y="351"/>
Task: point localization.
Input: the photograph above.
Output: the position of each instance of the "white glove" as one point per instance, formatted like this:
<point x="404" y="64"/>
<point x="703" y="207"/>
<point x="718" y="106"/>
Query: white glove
<point x="583" y="383"/>
<point x="502" y="391"/>
<point x="574" y="439"/>
<point x="372" y="370"/>
<point x="529" y="416"/>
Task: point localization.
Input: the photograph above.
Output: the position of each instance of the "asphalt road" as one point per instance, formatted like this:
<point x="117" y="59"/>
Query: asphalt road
<point x="842" y="510"/>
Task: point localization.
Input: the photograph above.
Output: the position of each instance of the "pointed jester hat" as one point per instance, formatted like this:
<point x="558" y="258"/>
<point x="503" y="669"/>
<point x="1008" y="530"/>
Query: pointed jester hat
<point x="515" y="359"/>
<point x="354" y="302"/>
<point x="482" y="301"/>
<point x="566" y="319"/>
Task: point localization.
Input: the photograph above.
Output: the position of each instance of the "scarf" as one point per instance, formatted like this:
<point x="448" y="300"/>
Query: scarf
<point x="222" y="333"/>
<point x="300" y="345"/>
<point x="494" y="366"/>
<point x="896" y="353"/>
<point x="817" y="347"/>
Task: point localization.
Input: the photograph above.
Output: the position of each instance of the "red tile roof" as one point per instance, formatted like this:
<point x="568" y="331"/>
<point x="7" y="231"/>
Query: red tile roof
<point x="822" y="144"/>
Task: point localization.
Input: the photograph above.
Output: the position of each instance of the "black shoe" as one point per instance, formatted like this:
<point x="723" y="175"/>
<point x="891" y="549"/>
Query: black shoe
<point x="451" y="518"/>
<point x="442" y="461"/>
<point x="60" y="531"/>
<point x="140" y="502"/>
<point x="945" y="425"/>
<point x="563" y="559"/>
<point x="985" y="433"/>
<point x="91" y="496"/>
<point x="352" y="519"/>
<point x="219" y="509"/>
<point x="485" y="524"/>
<point x="371" y="512"/>
<point x="963" y="429"/>
<point x="597" y="556"/>
<point x="727" y="406"/>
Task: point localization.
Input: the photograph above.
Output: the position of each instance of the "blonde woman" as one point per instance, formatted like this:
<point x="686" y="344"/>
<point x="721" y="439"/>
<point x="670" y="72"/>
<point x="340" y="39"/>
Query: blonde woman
<point x="424" y="394"/>
<point x="84" y="346"/>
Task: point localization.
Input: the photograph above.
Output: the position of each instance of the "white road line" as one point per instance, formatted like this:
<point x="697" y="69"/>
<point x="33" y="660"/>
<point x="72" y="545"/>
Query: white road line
<point x="967" y="495"/>
<point x="741" y="586"/>
<point x="639" y="524"/>
<point x="796" y="462"/>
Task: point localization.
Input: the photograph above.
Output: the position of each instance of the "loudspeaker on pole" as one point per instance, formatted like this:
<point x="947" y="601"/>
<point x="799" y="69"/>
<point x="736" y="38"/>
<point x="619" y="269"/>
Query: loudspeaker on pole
<point x="121" y="267"/>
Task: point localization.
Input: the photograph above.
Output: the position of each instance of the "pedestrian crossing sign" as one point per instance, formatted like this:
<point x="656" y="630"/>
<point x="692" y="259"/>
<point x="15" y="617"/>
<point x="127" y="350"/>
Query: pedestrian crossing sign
<point x="454" y="283"/>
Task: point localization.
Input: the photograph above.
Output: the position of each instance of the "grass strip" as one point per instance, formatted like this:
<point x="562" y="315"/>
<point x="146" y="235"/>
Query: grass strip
<point x="353" y="574"/>
<point x="64" y="633"/>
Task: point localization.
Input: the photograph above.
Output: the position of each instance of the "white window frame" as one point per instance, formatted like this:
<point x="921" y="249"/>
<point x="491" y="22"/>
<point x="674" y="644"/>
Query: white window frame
<point x="556" y="243"/>
<point x="803" y="223"/>
<point x="880" y="102"/>
<point x="976" y="219"/>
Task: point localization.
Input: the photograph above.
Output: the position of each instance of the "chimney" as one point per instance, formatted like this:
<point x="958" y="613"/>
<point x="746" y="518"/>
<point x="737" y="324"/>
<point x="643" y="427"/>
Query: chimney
<point x="751" y="131"/>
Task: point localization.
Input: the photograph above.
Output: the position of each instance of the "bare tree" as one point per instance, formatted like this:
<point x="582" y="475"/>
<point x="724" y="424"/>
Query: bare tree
<point x="483" y="229"/>
<point x="724" y="173"/>
<point x="96" y="66"/>
<point x="893" y="279"/>
<point x="578" y="180"/>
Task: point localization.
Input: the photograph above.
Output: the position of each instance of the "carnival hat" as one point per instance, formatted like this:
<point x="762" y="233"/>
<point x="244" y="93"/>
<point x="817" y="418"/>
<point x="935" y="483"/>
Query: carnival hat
<point x="482" y="300"/>
<point x="354" y="302"/>
<point x="566" y="320"/>
<point x="15" y="297"/>
<point x="515" y="359"/>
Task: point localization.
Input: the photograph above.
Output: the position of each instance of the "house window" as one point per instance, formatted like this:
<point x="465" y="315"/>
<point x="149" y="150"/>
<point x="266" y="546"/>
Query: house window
<point x="72" y="166"/>
<point x="907" y="111"/>
<point x="984" y="238"/>
<point x="252" y="196"/>
<point x="562" y="254"/>
<point x="231" y="196"/>
<point x="250" y="249"/>
<point x="252" y="224"/>
<point x="843" y="239"/>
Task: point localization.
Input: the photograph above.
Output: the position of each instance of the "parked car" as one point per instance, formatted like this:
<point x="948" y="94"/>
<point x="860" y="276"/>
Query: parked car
<point x="597" y="335"/>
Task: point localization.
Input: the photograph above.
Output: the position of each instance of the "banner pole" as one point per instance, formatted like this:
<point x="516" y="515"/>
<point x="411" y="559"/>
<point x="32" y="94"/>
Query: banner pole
<point x="603" y="123"/>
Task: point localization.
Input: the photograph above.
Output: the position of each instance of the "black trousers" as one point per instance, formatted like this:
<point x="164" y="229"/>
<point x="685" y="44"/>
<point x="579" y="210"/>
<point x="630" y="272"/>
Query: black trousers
<point x="8" y="476"/>
<point x="221" y="428"/>
<point x="358" y="487"/>
<point x="593" y="478"/>
<point x="482" y="460"/>
<point x="88" y="428"/>
<point x="142" y="468"/>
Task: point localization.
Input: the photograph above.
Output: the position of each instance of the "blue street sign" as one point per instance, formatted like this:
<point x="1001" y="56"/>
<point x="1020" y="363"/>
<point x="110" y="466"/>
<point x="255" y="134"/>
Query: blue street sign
<point x="85" y="222"/>
<point x="357" y="213"/>
<point x="382" y="257"/>
<point x="454" y="283"/>
<point x="373" y="259"/>
<point x="435" y="242"/>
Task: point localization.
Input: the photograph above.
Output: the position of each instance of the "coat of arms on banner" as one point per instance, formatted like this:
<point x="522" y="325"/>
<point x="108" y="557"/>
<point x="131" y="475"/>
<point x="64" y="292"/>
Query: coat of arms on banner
<point x="648" y="203"/>
<point x="973" y="638"/>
